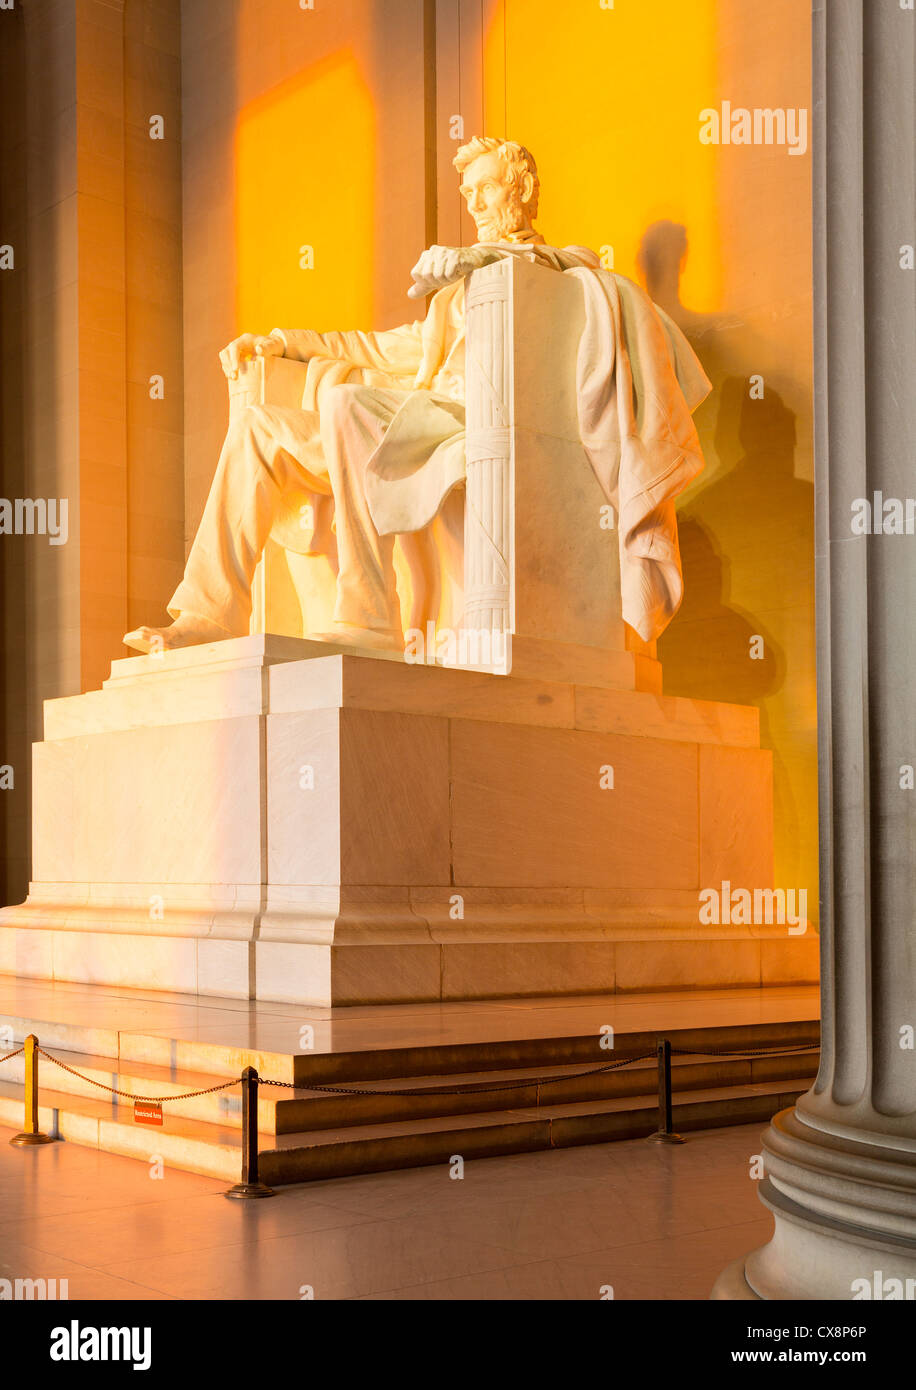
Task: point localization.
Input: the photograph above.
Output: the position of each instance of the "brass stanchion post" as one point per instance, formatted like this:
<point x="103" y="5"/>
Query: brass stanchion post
<point x="250" y="1185"/>
<point x="664" y="1134"/>
<point x="31" y="1133"/>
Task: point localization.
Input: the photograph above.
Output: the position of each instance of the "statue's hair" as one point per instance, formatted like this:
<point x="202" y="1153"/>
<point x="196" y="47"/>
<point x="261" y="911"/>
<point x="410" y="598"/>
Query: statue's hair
<point x="516" y="158"/>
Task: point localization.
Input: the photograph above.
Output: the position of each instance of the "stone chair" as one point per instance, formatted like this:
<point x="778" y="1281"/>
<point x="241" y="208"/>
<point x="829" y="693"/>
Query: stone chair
<point x="524" y="551"/>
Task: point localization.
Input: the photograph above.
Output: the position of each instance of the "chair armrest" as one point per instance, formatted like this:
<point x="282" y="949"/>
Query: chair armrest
<point x="267" y="381"/>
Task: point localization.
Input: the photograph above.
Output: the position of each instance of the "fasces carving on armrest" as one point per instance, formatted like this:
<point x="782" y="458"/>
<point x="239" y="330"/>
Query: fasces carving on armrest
<point x="487" y="528"/>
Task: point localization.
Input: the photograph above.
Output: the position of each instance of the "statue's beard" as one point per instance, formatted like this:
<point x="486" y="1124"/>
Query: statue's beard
<point x="498" y="226"/>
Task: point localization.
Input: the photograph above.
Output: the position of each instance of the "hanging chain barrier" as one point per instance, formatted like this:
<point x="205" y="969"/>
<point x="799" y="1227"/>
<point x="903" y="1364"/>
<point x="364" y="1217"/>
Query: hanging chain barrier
<point x="131" y="1095"/>
<point x="470" y="1089"/>
<point x="250" y="1185"/>
<point x="745" y="1051"/>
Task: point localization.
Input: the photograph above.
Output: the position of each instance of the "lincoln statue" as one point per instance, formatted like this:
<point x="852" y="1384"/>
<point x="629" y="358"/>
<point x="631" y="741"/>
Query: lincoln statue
<point x="381" y="430"/>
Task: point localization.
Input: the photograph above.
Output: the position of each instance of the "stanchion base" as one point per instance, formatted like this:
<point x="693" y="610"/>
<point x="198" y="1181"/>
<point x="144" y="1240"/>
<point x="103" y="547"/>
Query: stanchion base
<point x="662" y="1136"/>
<point x="243" y="1190"/>
<point x="26" y="1140"/>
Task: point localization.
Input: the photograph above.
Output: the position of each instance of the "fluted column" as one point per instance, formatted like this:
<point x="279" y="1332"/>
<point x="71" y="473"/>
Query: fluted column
<point x="841" y="1166"/>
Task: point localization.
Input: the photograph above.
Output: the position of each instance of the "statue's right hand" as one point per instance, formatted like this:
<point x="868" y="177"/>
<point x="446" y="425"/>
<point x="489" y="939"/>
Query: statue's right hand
<point x="443" y="265"/>
<point x="248" y="345"/>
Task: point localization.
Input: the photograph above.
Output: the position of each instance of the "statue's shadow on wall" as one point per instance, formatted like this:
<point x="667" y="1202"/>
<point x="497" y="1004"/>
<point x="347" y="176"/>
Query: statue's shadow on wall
<point x="753" y="521"/>
<point x="750" y="516"/>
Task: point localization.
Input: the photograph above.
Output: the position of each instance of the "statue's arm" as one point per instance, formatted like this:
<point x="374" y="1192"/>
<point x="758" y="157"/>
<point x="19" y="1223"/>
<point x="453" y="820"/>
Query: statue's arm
<point x="395" y="350"/>
<point x="443" y="265"/>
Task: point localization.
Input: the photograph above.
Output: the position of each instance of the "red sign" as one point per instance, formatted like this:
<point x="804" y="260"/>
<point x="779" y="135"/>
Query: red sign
<point x="146" y="1113"/>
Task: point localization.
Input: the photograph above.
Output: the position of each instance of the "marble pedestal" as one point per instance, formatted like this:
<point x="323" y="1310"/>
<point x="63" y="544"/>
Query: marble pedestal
<point x="265" y="818"/>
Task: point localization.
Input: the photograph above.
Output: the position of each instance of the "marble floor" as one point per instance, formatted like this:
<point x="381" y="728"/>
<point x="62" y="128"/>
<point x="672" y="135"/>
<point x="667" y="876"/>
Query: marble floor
<point x="651" y="1221"/>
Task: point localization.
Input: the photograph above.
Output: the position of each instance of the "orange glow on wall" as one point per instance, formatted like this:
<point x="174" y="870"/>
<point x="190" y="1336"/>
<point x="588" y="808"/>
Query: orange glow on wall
<point x="608" y="100"/>
<point x="632" y="80"/>
<point x="296" y="188"/>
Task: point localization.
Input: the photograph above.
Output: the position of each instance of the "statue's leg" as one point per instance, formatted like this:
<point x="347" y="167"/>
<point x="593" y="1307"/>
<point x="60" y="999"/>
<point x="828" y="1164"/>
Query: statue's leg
<point x="425" y="577"/>
<point x="269" y="452"/>
<point x="353" y="420"/>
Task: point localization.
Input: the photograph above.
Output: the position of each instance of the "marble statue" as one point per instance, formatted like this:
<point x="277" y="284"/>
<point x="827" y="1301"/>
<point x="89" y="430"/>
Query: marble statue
<point x="304" y="816"/>
<point x="381" y="430"/>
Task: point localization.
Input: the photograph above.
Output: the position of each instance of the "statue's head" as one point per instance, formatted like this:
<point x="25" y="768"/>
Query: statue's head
<point x="499" y="182"/>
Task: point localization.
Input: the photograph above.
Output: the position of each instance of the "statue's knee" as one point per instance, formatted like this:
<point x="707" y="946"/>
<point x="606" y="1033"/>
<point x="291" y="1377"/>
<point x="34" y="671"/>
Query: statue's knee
<point x="246" y="423"/>
<point x="341" y="399"/>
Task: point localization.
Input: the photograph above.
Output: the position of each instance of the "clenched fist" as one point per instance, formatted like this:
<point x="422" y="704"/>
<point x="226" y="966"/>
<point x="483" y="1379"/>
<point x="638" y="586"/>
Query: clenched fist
<point x="443" y="265"/>
<point x="248" y="345"/>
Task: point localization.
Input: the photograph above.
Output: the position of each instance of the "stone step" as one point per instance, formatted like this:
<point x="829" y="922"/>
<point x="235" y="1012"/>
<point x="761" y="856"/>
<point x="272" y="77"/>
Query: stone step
<point x="222" y="1108"/>
<point x="321" y="1154"/>
<point x="413" y="1143"/>
<point x="192" y="1145"/>
<point x="386" y="1060"/>
<point x="507" y="1045"/>
<point x="161" y="1044"/>
<point x="215" y="1151"/>
<point x="281" y="1111"/>
<point x="523" y="1088"/>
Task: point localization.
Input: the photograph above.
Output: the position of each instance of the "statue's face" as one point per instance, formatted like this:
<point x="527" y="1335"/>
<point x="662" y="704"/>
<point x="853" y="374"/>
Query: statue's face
<point x="493" y="199"/>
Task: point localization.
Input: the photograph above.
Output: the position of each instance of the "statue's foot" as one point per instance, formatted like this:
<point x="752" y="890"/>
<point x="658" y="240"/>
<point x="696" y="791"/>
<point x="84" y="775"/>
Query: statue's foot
<point x="188" y="630"/>
<point x="344" y="635"/>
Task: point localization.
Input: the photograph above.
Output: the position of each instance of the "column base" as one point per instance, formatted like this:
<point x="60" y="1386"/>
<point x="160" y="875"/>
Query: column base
<point x="732" y="1286"/>
<point x="845" y="1220"/>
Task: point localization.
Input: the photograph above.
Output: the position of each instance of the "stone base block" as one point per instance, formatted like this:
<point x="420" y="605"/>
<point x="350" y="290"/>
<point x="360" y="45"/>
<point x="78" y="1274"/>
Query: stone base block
<point x="182" y="964"/>
<point x="261" y="817"/>
<point x="405" y="972"/>
<point x="387" y="972"/>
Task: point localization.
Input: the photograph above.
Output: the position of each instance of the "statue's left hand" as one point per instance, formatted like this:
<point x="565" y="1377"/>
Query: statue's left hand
<point x="443" y="265"/>
<point x="248" y="345"/>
